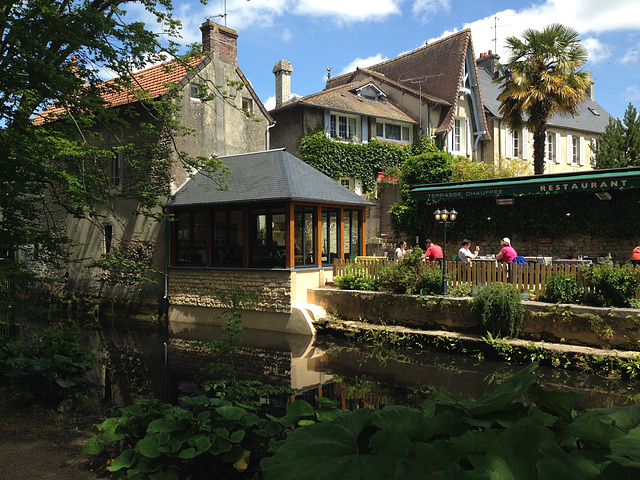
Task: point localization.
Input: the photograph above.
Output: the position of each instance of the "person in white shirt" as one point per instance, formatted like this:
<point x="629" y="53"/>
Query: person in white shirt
<point x="400" y="250"/>
<point x="464" y="254"/>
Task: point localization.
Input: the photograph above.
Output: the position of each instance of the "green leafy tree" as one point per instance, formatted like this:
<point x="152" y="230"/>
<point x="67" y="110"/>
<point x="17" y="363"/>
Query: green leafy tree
<point x="52" y="53"/>
<point x="542" y="77"/>
<point x="619" y="144"/>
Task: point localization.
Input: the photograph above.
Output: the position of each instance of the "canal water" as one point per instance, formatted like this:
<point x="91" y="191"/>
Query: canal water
<point x="145" y="363"/>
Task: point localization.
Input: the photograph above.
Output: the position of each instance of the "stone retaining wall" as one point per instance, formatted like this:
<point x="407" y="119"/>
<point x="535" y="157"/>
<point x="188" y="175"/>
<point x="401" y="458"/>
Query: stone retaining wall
<point x="571" y="324"/>
<point x="270" y="289"/>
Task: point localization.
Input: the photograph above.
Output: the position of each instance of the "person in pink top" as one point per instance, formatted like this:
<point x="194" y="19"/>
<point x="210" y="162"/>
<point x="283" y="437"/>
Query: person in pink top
<point x="508" y="253"/>
<point x="433" y="252"/>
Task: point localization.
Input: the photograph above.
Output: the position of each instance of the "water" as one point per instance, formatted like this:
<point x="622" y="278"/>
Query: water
<point x="150" y="362"/>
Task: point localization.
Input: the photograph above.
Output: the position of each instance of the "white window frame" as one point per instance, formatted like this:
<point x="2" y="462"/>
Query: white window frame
<point x="352" y="184"/>
<point x="350" y="122"/>
<point x="457" y="135"/>
<point x="194" y="91"/>
<point x="550" y="148"/>
<point x="405" y="131"/>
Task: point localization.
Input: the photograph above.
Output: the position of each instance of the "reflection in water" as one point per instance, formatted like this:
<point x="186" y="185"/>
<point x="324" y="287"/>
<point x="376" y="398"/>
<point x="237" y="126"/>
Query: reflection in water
<point x="360" y="375"/>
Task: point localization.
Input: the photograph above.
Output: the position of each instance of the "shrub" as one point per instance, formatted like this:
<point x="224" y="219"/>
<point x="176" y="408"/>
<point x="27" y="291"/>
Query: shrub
<point x="463" y="289"/>
<point x="612" y="286"/>
<point x="499" y="310"/>
<point x="430" y="282"/>
<point x="355" y="279"/>
<point x="402" y="276"/>
<point x="561" y="287"/>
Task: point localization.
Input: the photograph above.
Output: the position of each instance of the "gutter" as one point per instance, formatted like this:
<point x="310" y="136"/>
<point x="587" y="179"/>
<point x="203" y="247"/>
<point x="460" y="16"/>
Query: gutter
<point x="268" y="139"/>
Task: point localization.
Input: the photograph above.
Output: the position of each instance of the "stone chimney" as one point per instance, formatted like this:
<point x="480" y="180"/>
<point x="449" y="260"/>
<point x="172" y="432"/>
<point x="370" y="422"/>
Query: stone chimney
<point x="490" y="62"/>
<point x="282" y="70"/>
<point x="220" y="40"/>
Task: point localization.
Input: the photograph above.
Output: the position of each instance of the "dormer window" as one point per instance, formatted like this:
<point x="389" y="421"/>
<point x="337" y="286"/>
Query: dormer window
<point x="370" y="92"/>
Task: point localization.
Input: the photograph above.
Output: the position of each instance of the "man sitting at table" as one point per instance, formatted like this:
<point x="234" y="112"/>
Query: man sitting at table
<point x="433" y="252"/>
<point x="508" y="253"/>
<point x="464" y="254"/>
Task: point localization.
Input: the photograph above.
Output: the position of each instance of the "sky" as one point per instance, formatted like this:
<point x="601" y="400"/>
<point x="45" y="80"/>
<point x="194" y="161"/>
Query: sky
<point x="315" y="35"/>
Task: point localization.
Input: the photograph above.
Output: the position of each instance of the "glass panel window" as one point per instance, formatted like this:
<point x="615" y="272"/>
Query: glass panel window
<point x="405" y="134"/>
<point x="515" y="139"/>
<point x="457" y="139"/>
<point x="267" y="237"/>
<point x="380" y="130"/>
<point x="329" y="235"/>
<point x="304" y="236"/>
<point x="550" y="147"/>
<point x="351" y="233"/>
<point x="191" y="238"/>
<point x="343" y="127"/>
<point x="227" y="238"/>
<point x="575" y="156"/>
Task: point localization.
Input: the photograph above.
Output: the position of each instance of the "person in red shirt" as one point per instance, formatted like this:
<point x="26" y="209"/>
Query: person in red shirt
<point x="507" y="253"/>
<point x="433" y="252"/>
<point x="635" y="256"/>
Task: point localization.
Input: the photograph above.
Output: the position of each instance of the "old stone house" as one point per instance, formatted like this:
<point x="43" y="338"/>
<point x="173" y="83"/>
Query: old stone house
<point x="233" y="122"/>
<point x="569" y="138"/>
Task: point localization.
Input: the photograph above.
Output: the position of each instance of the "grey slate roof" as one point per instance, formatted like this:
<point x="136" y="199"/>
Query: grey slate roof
<point x="268" y="176"/>
<point x="585" y="120"/>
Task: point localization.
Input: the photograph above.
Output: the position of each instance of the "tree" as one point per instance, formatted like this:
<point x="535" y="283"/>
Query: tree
<point x="542" y="77"/>
<point x="619" y="144"/>
<point x="52" y="54"/>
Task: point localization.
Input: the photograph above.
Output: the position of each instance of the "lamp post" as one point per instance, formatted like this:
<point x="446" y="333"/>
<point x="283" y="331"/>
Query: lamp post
<point x="445" y="217"/>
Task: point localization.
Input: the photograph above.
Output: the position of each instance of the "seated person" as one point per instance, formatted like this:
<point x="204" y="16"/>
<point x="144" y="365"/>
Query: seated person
<point x="464" y="254"/>
<point x="507" y="253"/>
<point x="433" y="252"/>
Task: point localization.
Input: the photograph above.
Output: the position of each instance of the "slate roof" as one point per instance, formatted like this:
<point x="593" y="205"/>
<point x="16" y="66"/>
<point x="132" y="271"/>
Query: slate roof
<point x="345" y="98"/>
<point x="440" y="64"/>
<point x="267" y="176"/>
<point x="154" y="81"/>
<point x="585" y="120"/>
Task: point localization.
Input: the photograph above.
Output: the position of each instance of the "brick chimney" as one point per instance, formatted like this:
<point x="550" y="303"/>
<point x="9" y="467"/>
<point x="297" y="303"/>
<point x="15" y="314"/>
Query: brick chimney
<point x="220" y="40"/>
<point x="282" y="70"/>
<point x="490" y="62"/>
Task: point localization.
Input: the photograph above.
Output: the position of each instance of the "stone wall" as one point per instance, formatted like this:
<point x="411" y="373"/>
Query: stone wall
<point x="570" y="324"/>
<point x="270" y="289"/>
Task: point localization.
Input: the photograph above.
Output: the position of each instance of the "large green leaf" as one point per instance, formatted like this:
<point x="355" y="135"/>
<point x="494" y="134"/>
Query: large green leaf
<point x="626" y="450"/>
<point x="149" y="445"/>
<point x="554" y="401"/>
<point x="556" y="463"/>
<point x="125" y="460"/>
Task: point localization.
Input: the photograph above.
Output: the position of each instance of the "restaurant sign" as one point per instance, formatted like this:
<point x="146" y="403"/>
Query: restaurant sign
<point x="541" y="184"/>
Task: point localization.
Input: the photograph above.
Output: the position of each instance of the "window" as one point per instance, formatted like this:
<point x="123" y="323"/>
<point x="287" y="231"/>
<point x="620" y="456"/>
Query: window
<point x="550" y="148"/>
<point x="226" y="236"/>
<point x="195" y="92"/>
<point x="343" y="127"/>
<point x="247" y="104"/>
<point x="351" y="233"/>
<point x="393" y="131"/>
<point x="457" y="136"/>
<point x="330" y="232"/>
<point x="116" y="169"/>
<point x="515" y="143"/>
<point x="267" y="233"/>
<point x="108" y="238"/>
<point x="575" y="152"/>
<point x="304" y="235"/>
<point x="191" y="238"/>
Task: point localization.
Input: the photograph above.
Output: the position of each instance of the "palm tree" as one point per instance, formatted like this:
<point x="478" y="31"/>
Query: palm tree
<point x="542" y="77"/>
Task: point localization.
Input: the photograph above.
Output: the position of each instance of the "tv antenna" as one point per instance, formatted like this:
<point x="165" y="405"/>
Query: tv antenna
<point x="420" y="81"/>
<point x="495" y="33"/>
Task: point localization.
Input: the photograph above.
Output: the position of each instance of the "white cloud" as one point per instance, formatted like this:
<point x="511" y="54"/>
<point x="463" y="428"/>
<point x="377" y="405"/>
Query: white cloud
<point x="632" y="55"/>
<point x="632" y="93"/>
<point x="426" y="8"/>
<point x="598" y="51"/>
<point x="270" y="104"/>
<point x="286" y="35"/>
<point x="363" y="62"/>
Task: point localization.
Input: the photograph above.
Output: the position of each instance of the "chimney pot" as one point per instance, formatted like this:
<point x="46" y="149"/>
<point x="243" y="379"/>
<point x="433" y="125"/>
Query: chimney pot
<point x="220" y="40"/>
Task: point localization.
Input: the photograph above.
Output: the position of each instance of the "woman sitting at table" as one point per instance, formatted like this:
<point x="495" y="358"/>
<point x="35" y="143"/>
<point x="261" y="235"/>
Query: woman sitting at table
<point x="464" y="254"/>
<point x="507" y="253"/>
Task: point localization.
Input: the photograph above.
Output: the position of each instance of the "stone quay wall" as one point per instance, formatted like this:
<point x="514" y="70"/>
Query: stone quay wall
<point x="264" y="290"/>
<point x="617" y="328"/>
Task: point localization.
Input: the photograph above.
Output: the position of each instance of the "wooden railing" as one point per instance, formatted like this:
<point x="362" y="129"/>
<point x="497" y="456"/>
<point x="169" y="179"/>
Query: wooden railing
<point x="525" y="277"/>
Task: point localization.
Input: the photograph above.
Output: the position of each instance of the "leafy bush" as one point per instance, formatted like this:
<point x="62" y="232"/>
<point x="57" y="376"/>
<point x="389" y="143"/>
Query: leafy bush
<point x="52" y="367"/>
<point x="402" y="276"/>
<point x="612" y="286"/>
<point x="498" y="436"/>
<point x="498" y="309"/>
<point x="355" y="279"/>
<point x="463" y="289"/>
<point x="430" y="281"/>
<point x="561" y="287"/>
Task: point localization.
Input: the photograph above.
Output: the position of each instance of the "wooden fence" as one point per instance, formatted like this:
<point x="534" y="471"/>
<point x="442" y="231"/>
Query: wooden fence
<point x="525" y="277"/>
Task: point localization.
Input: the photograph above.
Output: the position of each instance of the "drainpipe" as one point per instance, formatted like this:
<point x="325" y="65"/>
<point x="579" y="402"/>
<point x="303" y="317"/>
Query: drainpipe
<point x="499" y="139"/>
<point x="167" y="248"/>
<point x="269" y="127"/>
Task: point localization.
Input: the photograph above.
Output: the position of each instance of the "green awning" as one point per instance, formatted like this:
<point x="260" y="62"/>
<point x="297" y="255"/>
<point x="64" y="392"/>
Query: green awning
<point x="593" y="180"/>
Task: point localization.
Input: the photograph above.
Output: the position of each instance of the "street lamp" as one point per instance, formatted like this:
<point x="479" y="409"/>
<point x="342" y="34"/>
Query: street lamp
<point x="446" y="218"/>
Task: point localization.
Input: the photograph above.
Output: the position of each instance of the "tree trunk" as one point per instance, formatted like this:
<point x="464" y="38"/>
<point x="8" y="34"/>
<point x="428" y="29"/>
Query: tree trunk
<point x="539" y="142"/>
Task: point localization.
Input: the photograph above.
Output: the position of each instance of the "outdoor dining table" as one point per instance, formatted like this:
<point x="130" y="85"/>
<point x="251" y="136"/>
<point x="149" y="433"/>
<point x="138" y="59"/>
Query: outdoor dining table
<point x="571" y="261"/>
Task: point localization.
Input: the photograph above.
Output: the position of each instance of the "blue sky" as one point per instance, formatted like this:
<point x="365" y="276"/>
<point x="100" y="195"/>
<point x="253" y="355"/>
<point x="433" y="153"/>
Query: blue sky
<point x="343" y="34"/>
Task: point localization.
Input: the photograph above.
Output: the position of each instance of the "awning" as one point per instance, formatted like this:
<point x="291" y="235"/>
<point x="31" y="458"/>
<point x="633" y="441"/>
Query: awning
<point x="592" y="180"/>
